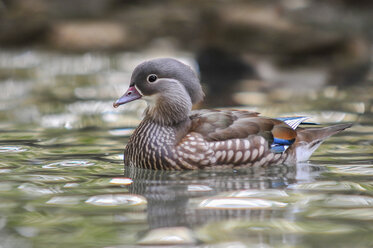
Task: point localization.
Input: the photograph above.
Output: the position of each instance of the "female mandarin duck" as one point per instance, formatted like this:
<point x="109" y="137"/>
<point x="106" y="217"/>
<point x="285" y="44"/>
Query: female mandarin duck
<point x="173" y="137"/>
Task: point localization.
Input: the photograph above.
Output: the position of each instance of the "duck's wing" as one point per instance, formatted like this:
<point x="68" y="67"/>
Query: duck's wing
<point x="231" y="138"/>
<point x="241" y="138"/>
<point x="222" y="125"/>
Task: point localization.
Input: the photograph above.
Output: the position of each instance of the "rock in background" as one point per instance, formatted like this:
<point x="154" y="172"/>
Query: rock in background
<point x="300" y="44"/>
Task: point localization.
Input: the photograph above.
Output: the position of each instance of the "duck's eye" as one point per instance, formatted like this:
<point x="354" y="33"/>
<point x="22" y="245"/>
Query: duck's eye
<point x="152" y="78"/>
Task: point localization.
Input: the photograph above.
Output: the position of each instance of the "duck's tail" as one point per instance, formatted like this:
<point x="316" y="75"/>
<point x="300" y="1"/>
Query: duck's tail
<point x="309" y="139"/>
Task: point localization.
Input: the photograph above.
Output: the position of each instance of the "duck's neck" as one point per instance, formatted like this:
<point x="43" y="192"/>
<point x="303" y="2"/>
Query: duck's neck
<point x="169" y="108"/>
<point x="152" y="145"/>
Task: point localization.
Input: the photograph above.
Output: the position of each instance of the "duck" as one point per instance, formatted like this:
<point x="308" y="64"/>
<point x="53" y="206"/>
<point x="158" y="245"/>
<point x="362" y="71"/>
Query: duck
<point x="172" y="136"/>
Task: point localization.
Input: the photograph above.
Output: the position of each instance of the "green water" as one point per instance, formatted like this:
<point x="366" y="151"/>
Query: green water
<point x="62" y="182"/>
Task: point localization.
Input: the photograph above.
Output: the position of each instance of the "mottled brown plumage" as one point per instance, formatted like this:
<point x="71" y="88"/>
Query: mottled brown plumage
<point x="172" y="137"/>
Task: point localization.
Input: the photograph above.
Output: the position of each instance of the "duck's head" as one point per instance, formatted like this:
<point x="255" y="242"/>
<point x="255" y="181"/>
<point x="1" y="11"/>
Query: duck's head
<point x="169" y="86"/>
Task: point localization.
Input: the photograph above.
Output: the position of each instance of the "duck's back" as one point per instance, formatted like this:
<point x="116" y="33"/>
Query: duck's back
<point x="221" y="125"/>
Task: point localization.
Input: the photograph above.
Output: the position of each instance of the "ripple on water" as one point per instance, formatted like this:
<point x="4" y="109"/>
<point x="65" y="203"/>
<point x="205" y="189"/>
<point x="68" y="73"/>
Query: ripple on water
<point x="27" y="231"/>
<point x="238" y="229"/>
<point x="71" y="185"/>
<point x="329" y="186"/>
<point x="239" y="203"/>
<point x="12" y="149"/>
<point x="199" y="188"/>
<point x="64" y="200"/>
<point x="117" y="200"/>
<point x="121" y="181"/>
<point x="50" y="178"/>
<point x="119" y="157"/>
<point x="347" y="201"/>
<point x="168" y="236"/>
<point x="356" y="169"/>
<point x="32" y="189"/>
<point x="361" y="214"/>
<point x="268" y="193"/>
<point x="69" y="163"/>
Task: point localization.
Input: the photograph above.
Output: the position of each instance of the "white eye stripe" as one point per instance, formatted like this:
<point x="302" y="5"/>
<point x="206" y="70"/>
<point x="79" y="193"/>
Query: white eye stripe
<point x="138" y="90"/>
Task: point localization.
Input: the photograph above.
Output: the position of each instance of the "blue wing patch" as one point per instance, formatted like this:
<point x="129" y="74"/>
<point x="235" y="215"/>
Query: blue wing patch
<point x="280" y="145"/>
<point x="278" y="141"/>
<point x="278" y="148"/>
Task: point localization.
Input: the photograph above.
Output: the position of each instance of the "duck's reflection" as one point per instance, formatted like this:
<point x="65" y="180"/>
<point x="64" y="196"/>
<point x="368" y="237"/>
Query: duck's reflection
<point x="193" y="198"/>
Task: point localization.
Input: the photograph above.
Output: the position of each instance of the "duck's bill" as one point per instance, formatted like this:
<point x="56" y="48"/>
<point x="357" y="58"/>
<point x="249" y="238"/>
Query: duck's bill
<point x="131" y="94"/>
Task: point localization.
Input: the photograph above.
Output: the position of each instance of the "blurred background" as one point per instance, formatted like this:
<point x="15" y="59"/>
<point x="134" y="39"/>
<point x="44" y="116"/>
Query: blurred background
<point x="64" y="62"/>
<point x="237" y="45"/>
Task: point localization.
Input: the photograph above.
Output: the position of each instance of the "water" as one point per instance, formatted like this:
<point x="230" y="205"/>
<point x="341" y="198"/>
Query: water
<point x="62" y="181"/>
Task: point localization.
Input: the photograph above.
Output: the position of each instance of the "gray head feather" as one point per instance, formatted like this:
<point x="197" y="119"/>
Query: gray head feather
<point x="172" y="69"/>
